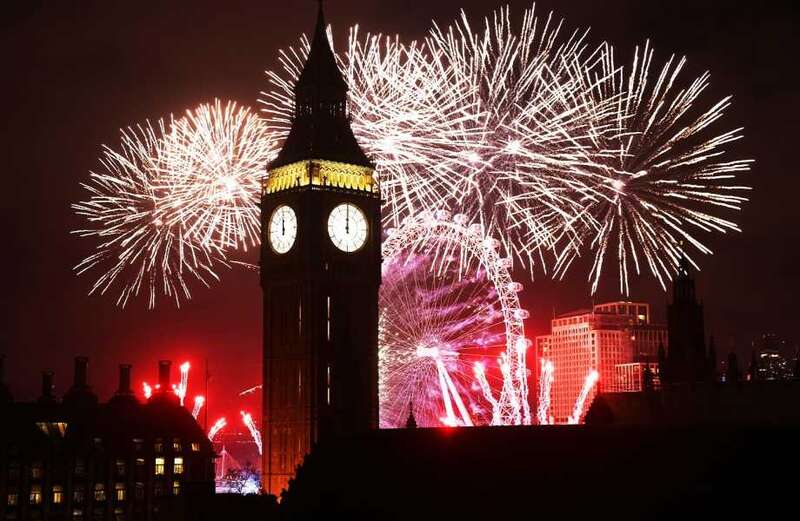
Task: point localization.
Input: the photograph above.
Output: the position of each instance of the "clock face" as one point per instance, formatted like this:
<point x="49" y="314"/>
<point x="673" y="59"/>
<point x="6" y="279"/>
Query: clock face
<point x="282" y="229"/>
<point x="347" y="227"/>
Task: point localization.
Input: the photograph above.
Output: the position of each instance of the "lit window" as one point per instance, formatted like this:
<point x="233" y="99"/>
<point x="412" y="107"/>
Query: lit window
<point x="99" y="492"/>
<point x="12" y="499"/>
<point x="176" y="445"/>
<point x="119" y="491"/>
<point x="328" y="386"/>
<point x="36" y="495"/>
<point x="159" y="469"/>
<point x="195" y="447"/>
<point x="58" y="494"/>
<point x="36" y="470"/>
<point x="53" y="428"/>
<point x="78" y="494"/>
<point x="177" y="466"/>
<point x="328" y="319"/>
<point x="176" y="488"/>
<point x="120" y="467"/>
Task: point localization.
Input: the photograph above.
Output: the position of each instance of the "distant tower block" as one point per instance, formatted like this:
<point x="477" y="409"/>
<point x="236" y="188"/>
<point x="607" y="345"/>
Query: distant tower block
<point x="320" y="275"/>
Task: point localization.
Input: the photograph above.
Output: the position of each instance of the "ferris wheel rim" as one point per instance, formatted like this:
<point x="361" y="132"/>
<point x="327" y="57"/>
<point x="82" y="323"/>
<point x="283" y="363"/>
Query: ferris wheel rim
<point x="416" y="231"/>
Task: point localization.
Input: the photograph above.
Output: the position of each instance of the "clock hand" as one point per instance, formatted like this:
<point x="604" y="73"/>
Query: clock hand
<point x="347" y="220"/>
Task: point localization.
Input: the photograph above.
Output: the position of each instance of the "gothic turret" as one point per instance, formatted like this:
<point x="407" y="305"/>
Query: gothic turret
<point x="321" y="126"/>
<point x="686" y="358"/>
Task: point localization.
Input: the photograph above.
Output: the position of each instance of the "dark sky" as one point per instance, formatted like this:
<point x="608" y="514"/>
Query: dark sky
<point x="74" y="72"/>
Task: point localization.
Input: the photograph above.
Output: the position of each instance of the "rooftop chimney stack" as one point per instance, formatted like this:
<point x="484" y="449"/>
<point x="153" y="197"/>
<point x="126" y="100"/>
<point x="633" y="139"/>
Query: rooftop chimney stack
<point x="47" y="386"/>
<point x="163" y="375"/>
<point x="125" y="380"/>
<point x="81" y="372"/>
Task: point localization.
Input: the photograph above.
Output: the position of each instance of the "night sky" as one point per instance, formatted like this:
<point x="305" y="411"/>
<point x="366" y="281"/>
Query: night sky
<point x="73" y="73"/>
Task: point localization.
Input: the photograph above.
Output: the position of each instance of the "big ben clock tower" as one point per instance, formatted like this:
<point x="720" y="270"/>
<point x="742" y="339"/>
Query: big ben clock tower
<point x="320" y="275"/>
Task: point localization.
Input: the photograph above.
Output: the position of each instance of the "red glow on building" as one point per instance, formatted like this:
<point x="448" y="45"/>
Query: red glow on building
<point x="616" y="339"/>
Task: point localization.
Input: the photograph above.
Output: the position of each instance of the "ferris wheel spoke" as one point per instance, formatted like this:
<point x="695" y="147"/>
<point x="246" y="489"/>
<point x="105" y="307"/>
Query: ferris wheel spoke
<point x="447" y="306"/>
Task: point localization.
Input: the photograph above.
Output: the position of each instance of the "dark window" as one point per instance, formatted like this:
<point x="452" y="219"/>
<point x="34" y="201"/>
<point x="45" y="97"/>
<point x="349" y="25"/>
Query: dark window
<point x="78" y="494"/>
<point x="13" y="471"/>
<point x="80" y="467"/>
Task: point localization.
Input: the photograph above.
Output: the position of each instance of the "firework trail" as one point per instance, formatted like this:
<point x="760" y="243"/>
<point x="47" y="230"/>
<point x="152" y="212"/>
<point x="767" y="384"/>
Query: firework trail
<point x="247" y="418"/>
<point x="137" y="250"/>
<point x="662" y="177"/>
<point x="199" y="401"/>
<point x="251" y="390"/>
<point x="588" y="385"/>
<point x="147" y="390"/>
<point x="183" y="386"/>
<point x="213" y="163"/>
<point x="545" y="386"/>
<point x="218" y="426"/>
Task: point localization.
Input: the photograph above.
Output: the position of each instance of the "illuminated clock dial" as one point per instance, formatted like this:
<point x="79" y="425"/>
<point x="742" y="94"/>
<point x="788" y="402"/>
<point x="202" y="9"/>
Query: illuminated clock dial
<point x="347" y="227"/>
<point x="282" y="229"/>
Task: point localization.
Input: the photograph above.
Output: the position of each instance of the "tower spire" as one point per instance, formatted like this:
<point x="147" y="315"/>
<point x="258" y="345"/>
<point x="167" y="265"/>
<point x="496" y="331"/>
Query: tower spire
<point x="321" y="126"/>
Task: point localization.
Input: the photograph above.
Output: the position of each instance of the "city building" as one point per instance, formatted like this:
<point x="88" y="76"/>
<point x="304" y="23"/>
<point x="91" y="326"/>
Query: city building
<point x="617" y="339"/>
<point x="773" y="358"/>
<point x="77" y="459"/>
<point x="320" y="275"/>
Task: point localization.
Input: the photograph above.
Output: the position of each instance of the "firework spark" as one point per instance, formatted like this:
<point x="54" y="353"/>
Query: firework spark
<point x="545" y="387"/>
<point x="218" y="426"/>
<point x="525" y="178"/>
<point x="588" y="385"/>
<point x="199" y="401"/>
<point x="183" y="386"/>
<point x="247" y="418"/>
<point x="213" y="162"/>
<point x="137" y="250"/>
<point x="401" y="114"/>
<point x="147" y="390"/>
<point x="662" y="177"/>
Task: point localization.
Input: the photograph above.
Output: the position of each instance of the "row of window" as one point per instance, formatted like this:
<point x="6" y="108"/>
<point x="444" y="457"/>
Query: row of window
<point x="37" y="469"/>
<point x="78" y="494"/>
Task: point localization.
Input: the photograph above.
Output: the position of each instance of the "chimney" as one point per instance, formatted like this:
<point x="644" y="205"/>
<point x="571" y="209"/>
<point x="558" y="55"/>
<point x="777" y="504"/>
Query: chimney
<point x="47" y="386"/>
<point x="81" y="372"/>
<point x="163" y="375"/>
<point x="124" y="380"/>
